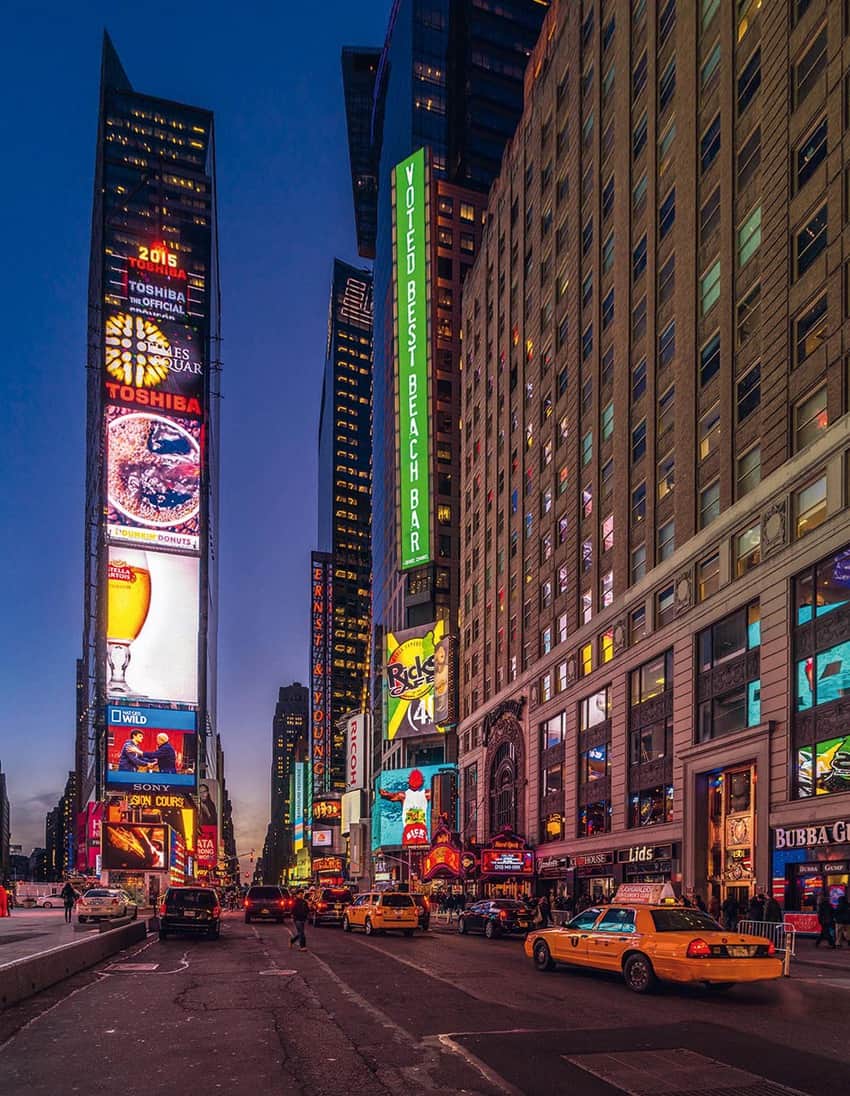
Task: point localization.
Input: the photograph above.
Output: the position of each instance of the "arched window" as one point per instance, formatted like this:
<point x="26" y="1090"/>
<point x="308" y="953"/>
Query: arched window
<point x="503" y="790"/>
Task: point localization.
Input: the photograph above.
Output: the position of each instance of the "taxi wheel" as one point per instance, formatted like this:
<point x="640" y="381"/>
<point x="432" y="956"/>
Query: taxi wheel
<point x="461" y="926"/>
<point x="490" y="931"/>
<point x="638" y="973"/>
<point x="346" y="925"/>
<point x="718" y="987"/>
<point x="542" y="956"/>
<point x="408" y="932"/>
<point x="367" y="928"/>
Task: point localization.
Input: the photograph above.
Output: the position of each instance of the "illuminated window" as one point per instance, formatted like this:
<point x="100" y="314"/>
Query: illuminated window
<point x="586" y="659"/>
<point x="810" y="506"/>
<point x="811" y="418"/>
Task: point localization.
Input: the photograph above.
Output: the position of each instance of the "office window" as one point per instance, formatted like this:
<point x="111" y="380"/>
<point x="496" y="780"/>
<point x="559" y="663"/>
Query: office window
<point x="587" y="342"/>
<point x="607" y="421"/>
<point x="748" y="393"/>
<point x="666" y="477"/>
<point x="607" y="373"/>
<point x="606" y="590"/>
<point x="587" y="237"/>
<point x="639" y="137"/>
<point x="667" y="85"/>
<point x="747" y="550"/>
<point x="749" y="158"/>
<point x="666" y="411"/>
<point x="587" y="449"/>
<point x="638" y="563"/>
<point x="607" y="85"/>
<point x="638" y="441"/>
<point x="748" y="316"/>
<point x="665" y="606"/>
<point x="562" y="635"/>
<point x="749" y="237"/>
<point x="608" y="33"/>
<point x="810" y="330"/>
<point x="708" y="577"/>
<point x="811" y="240"/>
<point x="608" y="533"/>
<point x="665" y="148"/>
<point x="811" y="418"/>
<point x="667" y="214"/>
<point x="811" y="153"/>
<point x="563" y="525"/>
<point x="587" y="289"/>
<point x="747" y="11"/>
<point x="810" y="506"/>
<point x="709" y="10"/>
<point x="652" y="678"/>
<point x="666" y="540"/>
<point x="639" y="258"/>
<point x="586" y="607"/>
<point x="586" y="556"/>
<point x="709" y="504"/>
<point x="585" y="660"/>
<point x="638" y="380"/>
<point x="709" y="215"/>
<point x="586" y="501"/>
<point x="709" y="431"/>
<point x="608" y="309"/>
<point x="639" y="76"/>
<point x="709" y="68"/>
<point x="667" y="344"/>
<point x="608" y="253"/>
<point x="639" y="195"/>
<point x="637" y="625"/>
<point x="606" y="478"/>
<point x="747" y="471"/>
<point x="749" y="82"/>
<point x="608" y="198"/>
<point x="667" y="280"/>
<point x="666" y="20"/>
<point x="639" y="503"/>
<point x="810" y="67"/>
<point x="709" y="146"/>
<point x="710" y="288"/>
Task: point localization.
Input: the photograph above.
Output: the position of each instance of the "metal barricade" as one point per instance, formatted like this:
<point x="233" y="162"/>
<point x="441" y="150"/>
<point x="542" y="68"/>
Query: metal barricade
<point x="782" y="936"/>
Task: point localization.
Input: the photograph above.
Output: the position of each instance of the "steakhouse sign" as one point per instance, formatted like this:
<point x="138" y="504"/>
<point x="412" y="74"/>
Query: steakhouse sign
<point x="412" y="369"/>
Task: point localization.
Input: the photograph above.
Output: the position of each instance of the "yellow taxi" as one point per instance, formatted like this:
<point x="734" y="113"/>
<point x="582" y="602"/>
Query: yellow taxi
<point x="380" y="912"/>
<point x="647" y="936"/>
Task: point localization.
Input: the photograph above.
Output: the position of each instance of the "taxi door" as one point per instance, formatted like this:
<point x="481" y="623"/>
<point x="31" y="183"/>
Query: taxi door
<point x="570" y="943"/>
<point x="612" y="936"/>
<point x="357" y="910"/>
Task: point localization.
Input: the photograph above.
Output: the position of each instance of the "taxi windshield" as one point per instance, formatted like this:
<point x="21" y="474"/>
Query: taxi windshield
<point x="682" y="919"/>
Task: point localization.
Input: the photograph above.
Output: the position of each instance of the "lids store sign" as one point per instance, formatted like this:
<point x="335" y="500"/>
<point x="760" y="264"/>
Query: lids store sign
<point x="809" y="837"/>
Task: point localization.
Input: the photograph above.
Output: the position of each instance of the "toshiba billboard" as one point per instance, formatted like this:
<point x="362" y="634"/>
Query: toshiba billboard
<point x="355" y="751"/>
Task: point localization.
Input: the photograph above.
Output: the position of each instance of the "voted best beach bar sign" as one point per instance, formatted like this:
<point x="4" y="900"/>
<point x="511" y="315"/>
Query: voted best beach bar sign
<point x="410" y="195"/>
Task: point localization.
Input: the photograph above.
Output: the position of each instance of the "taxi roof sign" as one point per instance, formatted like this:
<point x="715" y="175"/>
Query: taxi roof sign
<point x="650" y="894"/>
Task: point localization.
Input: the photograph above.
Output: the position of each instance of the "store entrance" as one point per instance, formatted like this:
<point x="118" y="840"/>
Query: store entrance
<point x="731" y="835"/>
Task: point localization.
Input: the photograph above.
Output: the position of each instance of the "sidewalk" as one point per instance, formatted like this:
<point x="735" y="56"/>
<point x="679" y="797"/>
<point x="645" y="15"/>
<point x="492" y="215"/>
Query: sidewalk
<point x="835" y="959"/>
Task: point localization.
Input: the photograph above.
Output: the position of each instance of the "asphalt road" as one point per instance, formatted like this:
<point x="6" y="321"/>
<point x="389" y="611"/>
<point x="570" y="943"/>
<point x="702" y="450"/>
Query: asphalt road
<point x="435" y="1013"/>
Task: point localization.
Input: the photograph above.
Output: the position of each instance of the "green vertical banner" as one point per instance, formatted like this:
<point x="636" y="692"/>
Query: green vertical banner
<point x="412" y="365"/>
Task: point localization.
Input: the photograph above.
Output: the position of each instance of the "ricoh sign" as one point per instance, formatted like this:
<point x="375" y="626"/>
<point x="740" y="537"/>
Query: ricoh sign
<point x="411" y="286"/>
<point x="355" y="753"/>
<point x="810" y="837"/>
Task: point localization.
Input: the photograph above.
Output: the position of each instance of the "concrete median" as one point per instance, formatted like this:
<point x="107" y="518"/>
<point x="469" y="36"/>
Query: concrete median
<point x="24" y="977"/>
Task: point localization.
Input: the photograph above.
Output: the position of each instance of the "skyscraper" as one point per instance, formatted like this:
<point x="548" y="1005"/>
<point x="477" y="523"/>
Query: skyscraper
<point x="345" y="452"/>
<point x="152" y="445"/>
<point x="655" y="539"/>
<point x="290" y="733"/>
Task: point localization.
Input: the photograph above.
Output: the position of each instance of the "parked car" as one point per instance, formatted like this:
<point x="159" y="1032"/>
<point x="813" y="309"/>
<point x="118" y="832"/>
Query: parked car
<point x="267" y="903"/>
<point x="103" y="904"/>
<point x="48" y="902"/>
<point x="379" y="912"/>
<point x="423" y="905"/>
<point x="190" y="909"/>
<point x="495" y="917"/>
<point x="328" y="904"/>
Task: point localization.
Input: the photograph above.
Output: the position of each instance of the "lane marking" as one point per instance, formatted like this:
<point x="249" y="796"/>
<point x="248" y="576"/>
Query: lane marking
<point x="472" y="1060"/>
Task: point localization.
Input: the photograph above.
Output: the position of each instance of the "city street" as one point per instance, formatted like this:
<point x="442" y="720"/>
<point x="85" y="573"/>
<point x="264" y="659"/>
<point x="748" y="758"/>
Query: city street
<point x="436" y="1012"/>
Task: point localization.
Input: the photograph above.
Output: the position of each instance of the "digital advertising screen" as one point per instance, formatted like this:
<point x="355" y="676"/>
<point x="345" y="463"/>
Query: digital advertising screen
<point x="823" y="678"/>
<point x="153" y="476"/>
<point x="824" y="768"/>
<point x="402" y="812"/>
<point x="507" y="862"/>
<point x="410" y="671"/>
<point x="154" y="279"/>
<point x="150" y="746"/>
<point x="153" y="365"/>
<point x="152" y="626"/>
<point x="135" y="847"/>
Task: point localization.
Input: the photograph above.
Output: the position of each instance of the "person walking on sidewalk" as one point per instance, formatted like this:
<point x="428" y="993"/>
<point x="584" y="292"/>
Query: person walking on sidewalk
<point x="300" y="913"/>
<point x="842" y="922"/>
<point x="69" y="897"/>
<point x="772" y="911"/>
<point x="826" y="920"/>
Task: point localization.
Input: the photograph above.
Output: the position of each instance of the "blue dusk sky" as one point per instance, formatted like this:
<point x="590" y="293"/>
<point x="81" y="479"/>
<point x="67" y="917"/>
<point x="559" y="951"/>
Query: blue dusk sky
<point x="271" y="73"/>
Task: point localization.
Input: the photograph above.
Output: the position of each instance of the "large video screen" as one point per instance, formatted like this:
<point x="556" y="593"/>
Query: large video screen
<point x="402" y="812"/>
<point x="134" y="847"/>
<point x="150" y="746"/>
<point x="824" y="768"/>
<point x="152" y="626"/>
<point x="153" y="365"/>
<point x="153" y="474"/>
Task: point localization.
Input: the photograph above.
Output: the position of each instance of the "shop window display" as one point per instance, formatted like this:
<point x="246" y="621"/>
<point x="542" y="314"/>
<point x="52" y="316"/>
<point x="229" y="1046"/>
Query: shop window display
<point x="651" y="807"/>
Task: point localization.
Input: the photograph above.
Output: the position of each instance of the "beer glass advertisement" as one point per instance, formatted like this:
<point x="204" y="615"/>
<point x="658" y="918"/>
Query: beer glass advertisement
<point x="402" y="813"/>
<point x="411" y="677"/>
<point x="149" y="746"/>
<point x="129" y="846"/>
<point x="153" y="475"/>
<point x="152" y="626"/>
<point x="153" y="365"/>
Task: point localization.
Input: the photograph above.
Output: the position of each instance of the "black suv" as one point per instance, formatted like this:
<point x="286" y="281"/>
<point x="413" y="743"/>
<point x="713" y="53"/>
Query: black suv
<point x="190" y="909"/>
<point x="269" y="903"/>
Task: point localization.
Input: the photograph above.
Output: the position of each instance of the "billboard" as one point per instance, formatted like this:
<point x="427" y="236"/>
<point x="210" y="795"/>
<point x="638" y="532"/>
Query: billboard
<point x="153" y="365"/>
<point x="134" y="846"/>
<point x="402" y="813"/>
<point x="209" y="811"/>
<point x="412" y="409"/>
<point x="152" y="626"/>
<point x="299" y="778"/>
<point x="321" y="666"/>
<point x="153" y="279"/>
<point x="355" y="752"/>
<point x="169" y="807"/>
<point x="323" y="838"/>
<point x="410" y="673"/>
<point x="153" y="479"/>
<point x="150" y="746"/>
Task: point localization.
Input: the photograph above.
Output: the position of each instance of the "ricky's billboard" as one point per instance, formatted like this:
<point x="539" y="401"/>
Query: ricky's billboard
<point x="410" y="195"/>
<point x="415" y="674"/>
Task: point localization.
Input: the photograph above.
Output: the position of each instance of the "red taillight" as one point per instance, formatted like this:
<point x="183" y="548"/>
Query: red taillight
<point x="503" y="915"/>
<point x="698" y="949"/>
<point x="115" y="902"/>
<point x="216" y="911"/>
<point x="162" y="908"/>
<point x="323" y="905"/>
<point x="283" y="903"/>
<point x="771" y="948"/>
<point x="246" y="903"/>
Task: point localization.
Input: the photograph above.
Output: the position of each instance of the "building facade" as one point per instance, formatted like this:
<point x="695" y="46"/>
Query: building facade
<point x="655" y="456"/>
<point x="5" y="827"/>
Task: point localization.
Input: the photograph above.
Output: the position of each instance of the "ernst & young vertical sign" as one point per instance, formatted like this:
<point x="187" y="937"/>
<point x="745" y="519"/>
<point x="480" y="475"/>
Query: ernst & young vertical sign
<point x="412" y="367"/>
